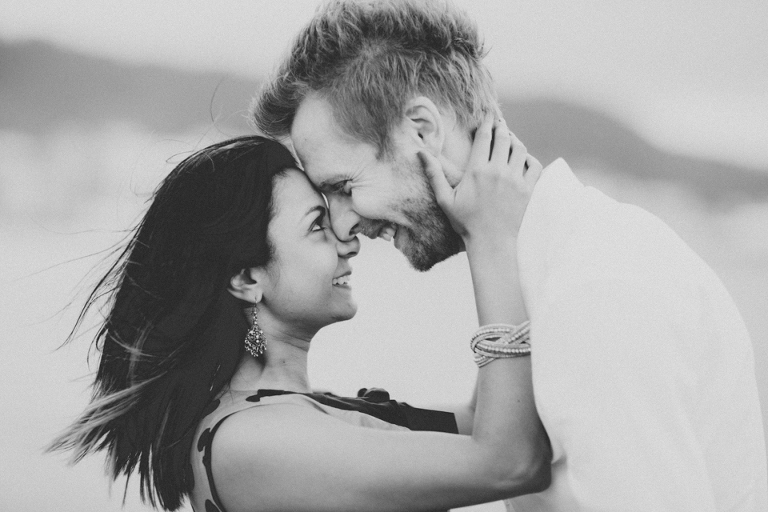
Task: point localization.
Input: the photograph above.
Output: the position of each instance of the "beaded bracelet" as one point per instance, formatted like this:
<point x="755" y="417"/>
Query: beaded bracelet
<point x="500" y="341"/>
<point x="502" y="333"/>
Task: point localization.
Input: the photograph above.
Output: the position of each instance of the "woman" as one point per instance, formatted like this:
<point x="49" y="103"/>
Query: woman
<point x="202" y="386"/>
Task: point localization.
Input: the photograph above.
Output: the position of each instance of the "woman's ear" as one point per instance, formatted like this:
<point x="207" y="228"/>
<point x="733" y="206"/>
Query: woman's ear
<point x="247" y="285"/>
<point x="424" y="124"/>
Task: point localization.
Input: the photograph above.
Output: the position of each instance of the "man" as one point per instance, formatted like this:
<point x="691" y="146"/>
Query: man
<point x="642" y="367"/>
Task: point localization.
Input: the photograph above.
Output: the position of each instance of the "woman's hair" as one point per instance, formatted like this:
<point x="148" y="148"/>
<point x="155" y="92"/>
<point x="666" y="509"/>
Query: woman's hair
<point x="173" y="334"/>
<point x="368" y="58"/>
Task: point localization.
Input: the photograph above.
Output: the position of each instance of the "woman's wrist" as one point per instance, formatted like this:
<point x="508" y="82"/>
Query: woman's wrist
<point x="495" y="280"/>
<point x="491" y="250"/>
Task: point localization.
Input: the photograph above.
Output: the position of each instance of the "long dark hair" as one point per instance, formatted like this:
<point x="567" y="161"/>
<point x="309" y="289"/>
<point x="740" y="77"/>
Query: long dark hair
<point x="172" y="336"/>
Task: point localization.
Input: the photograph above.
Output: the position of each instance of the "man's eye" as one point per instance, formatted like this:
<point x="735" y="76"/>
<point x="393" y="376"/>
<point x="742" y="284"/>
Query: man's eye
<point x="339" y="187"/>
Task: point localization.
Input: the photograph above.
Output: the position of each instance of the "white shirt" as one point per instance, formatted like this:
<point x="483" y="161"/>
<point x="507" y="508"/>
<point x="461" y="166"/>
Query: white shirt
<point x="643" y="372"/>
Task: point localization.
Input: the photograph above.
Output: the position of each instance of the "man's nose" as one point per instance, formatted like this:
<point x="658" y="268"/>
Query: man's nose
<point x="344" y="220"/>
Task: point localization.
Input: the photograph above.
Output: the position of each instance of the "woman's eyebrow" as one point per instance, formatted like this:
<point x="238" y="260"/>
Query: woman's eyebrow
<point x="316" y="208"/>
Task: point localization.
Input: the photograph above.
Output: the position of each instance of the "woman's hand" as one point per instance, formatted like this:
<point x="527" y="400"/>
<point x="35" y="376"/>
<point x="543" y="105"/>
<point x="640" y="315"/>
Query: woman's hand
<point x="489" y="202"/>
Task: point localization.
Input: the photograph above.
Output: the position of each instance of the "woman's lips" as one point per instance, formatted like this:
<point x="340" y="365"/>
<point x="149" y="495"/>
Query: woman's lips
<point x="342" y="280"/>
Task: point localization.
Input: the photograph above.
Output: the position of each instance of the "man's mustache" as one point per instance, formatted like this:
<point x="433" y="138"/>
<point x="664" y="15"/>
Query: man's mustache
<point x="372" y="228"/>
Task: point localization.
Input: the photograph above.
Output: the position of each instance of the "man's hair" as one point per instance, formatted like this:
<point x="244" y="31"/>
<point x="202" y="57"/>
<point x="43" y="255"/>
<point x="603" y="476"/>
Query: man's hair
<point x="368" y="58"/>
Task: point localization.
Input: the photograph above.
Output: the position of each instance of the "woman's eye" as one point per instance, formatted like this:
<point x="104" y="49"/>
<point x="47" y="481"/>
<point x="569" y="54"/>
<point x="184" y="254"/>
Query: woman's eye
<point x="320" y="223"/>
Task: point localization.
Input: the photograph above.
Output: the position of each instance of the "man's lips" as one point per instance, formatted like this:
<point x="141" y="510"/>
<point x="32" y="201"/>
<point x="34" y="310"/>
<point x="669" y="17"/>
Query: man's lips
<point x="385" y="230"/>
<point x="388" y="232"/>
<point x="380" y="229"/>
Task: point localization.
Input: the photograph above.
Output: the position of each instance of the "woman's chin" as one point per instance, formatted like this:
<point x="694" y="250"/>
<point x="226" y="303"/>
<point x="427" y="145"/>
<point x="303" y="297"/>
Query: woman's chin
<point x="348" y="314"/>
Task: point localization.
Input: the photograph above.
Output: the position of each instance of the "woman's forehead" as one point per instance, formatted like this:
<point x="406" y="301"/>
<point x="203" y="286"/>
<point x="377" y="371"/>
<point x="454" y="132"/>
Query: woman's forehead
<point x="295" y="194"/>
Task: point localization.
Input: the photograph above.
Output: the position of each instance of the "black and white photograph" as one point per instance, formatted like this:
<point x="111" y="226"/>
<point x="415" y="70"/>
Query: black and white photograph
<point x="526" y="242"/>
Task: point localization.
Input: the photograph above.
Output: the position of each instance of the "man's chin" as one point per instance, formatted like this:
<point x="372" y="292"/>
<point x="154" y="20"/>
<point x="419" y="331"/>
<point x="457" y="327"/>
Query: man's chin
<point x="423" y="255"/>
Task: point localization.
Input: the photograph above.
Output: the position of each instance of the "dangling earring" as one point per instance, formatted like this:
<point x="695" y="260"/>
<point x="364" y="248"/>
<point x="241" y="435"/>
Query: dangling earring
<point x="255" y="342"/>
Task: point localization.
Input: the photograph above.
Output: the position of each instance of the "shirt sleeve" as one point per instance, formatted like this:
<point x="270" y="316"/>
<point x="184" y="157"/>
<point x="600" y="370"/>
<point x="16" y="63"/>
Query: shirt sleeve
<point x="618" y="396"/>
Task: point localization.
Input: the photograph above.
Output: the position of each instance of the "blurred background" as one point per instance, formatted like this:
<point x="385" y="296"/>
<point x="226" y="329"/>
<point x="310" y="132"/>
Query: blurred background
<point x="662" y="104"/>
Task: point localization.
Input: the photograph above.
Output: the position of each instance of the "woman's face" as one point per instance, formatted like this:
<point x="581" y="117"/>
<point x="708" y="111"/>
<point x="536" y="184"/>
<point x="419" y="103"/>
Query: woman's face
<point x="307" y="282"/>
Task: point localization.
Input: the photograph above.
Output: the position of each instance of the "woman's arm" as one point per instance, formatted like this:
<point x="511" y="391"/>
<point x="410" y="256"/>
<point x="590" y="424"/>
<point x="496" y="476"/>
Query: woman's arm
<point x="287" y="457"/>
<point x="483" y="225"/>
<point x="486" y="208"/>
<point x="463" y="413"/>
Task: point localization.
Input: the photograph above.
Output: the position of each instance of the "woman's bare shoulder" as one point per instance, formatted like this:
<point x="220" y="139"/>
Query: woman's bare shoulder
<point x="252" y="447"/>
<point x="259" y="427"/>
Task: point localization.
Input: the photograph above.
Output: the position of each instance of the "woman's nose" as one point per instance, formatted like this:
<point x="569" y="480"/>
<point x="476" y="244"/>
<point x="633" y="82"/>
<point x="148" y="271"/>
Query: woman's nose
<point x="348" y="248"/>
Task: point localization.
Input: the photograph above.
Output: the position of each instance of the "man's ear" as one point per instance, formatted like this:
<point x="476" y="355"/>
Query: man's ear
<point x="247" y="285"/>
<point x="424" y="124"/>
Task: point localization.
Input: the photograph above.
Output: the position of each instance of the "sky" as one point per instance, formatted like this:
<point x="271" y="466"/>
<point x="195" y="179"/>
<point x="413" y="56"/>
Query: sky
<point x="690" y="76"/>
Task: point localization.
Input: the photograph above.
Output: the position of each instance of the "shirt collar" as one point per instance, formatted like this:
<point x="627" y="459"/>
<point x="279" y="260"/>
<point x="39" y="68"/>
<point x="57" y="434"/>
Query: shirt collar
<point x="550" y="211"/>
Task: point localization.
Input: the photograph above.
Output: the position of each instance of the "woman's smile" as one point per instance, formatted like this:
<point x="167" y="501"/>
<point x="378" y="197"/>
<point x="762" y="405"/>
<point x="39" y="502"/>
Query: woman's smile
<point x="343" y="280"/>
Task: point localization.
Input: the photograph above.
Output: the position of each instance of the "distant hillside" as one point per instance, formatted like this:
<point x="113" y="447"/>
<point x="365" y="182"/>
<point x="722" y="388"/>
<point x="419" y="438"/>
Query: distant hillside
<point x="42" y="87"/>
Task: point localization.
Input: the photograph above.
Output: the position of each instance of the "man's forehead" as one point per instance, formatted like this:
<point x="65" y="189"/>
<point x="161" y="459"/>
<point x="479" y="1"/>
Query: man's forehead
<point x="315" y="124"/>
<point x="326" y="153"/>
<point x="319" y="166"/>
<point x="314" y="118"/>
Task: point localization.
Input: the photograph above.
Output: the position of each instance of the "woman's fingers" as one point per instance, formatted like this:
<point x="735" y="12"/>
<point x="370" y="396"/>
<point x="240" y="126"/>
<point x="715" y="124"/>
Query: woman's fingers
<point x="533" y="173"/>
<point x="481" y="146"/>
<point x="491" y="196"/>
<point x="518" y="157"/>
<point x="496" y="148"/>
<point x="434" y="171"/>
<point x="502" y="139"/>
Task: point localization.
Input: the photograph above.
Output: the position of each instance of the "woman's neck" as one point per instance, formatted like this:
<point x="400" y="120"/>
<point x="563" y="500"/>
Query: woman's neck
<point x="283" y="366"/>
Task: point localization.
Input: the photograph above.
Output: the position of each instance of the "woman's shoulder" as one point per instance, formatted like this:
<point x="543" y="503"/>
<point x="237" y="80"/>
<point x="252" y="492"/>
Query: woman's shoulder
<point x="253" y="443"/>
<point x="256" y="431"/>
<point x="256" y="428"/>
<point x="234" y="412"/>
<point x="264" y="411"/>
<point x="268" y="415"/>
<point x="258" y="435"/>
<point x="232" y="441"/>
<point x="239" y="425"/>
<point x="248" y="432"/>
<point x="250" y="454"/>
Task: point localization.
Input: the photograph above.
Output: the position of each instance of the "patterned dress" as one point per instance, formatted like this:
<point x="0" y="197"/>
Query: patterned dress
<point x="371" y="409"/>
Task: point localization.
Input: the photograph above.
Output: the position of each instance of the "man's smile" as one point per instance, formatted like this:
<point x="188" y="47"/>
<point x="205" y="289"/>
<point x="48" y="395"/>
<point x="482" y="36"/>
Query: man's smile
<point x="388" y="232"/>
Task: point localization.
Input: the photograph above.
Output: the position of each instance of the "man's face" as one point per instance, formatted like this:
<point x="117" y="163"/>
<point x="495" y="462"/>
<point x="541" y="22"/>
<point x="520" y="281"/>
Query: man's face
<point x="379" y="198"/>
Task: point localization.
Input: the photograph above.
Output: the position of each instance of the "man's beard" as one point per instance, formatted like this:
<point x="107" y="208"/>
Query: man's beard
<point x="430" y="239"/>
